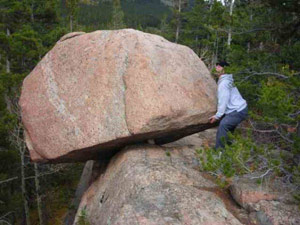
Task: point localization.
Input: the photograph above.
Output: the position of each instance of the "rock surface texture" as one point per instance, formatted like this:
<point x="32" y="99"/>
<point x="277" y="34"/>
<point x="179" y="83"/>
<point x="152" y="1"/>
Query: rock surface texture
<point x="268" y="203"/>
<point x="151" y="185"/>
<point x="96" y="92"/>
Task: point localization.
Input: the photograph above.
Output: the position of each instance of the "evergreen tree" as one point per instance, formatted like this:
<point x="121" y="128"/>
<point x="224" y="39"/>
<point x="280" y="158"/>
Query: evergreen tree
<point x="72" y="6"/>
<point x="117" y="20"/>
<point x="27" y="31"/>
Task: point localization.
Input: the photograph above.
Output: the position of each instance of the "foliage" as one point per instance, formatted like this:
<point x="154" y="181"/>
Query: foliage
<point x="117" y="20"/>
<point x="138" y="14"/>
<point x="28" y="29"/>
<point x="241" y="157"/>
<point x="82" y="220"/>
<point x="244" y="156"/>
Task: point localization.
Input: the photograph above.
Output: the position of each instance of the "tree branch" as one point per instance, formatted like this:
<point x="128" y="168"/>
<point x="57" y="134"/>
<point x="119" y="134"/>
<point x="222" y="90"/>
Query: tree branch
<point x="261" y="176"/>
<point x="263" y="74"/>
<point x="43" y="174"/>
<point x="2" y="220"/>
<point x="8" y="180"/>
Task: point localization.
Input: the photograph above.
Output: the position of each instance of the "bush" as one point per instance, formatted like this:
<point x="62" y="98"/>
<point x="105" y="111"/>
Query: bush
<point x="83" y="218"/>
<point x="243" y="156"/>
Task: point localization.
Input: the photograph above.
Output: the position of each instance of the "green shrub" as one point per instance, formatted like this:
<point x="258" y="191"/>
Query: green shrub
<point x="83" y="218"/>
<point x="241" y="157"/>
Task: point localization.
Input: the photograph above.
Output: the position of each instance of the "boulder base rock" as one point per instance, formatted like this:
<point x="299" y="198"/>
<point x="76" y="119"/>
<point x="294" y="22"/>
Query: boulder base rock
<point x="96" y="92"/>
<point x="151" y="185"/>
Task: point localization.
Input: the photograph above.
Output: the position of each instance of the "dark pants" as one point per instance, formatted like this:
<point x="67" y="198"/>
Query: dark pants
<point x="229" y="123"/>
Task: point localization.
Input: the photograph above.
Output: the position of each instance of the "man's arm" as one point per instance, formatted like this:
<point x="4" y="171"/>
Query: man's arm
<point x="223" y="98"/>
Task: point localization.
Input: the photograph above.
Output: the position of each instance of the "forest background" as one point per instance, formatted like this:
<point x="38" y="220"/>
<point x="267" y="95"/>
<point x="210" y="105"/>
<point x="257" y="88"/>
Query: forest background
<point x="260" y="40"/>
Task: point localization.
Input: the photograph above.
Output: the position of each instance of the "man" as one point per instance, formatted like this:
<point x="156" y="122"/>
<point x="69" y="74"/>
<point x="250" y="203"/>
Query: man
<point x="231" y="105"/>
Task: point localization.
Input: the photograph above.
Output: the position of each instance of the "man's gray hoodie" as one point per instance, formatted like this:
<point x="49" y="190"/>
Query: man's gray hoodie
<point x="229" y="97"/>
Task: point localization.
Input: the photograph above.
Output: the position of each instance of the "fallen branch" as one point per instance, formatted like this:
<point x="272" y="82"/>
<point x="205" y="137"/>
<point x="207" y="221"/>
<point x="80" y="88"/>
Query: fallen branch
<point x="285" y="138"/>
<point x="261" y="176"/>
<point x="294" y="114"/>
<point x="261" y="131"/>
<point x="277" y="131"/>
<point x="256" y="130"/>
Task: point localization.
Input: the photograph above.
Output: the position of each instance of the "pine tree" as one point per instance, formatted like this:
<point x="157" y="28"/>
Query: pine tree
<point x="27" y="31"/>
<point x="117" y="20"/>
<point x="72" y="6"/>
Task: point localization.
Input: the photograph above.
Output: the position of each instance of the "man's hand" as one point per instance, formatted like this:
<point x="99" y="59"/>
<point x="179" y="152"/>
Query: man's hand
<point x="212" y="119"/>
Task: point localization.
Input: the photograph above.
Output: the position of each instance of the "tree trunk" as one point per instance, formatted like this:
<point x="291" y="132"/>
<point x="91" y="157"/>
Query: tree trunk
<point x="32" y="15"/>
<point x="229" y="37"/>
<point x="178" y="22"/>
<point x="231" y="7"/>
<point x="197" y="47"/>
<point x="23" y="184"/>
<point x="7" y="57"/>
<point x="215" y="52"/>
<point x="8" y="103"/>
<point x="298" y="129"/>
<point x="261" y="46"/>
<point x="211" y="2"/>
<point x="38" y="196"/>
<point x="249" y="44"/>
<point x="83" y="184"/>
<point x="23" y="62"/>
<point x="248" y="47"/>
<point x="71" y="23"/>
<point x="230" y="28"/>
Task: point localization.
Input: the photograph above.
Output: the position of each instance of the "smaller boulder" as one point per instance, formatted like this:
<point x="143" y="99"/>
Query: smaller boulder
<point x="275" y="213"/>
<point x="269" y="203"/>
<point x="246" y="192"/>
<point x="151" y="185"/>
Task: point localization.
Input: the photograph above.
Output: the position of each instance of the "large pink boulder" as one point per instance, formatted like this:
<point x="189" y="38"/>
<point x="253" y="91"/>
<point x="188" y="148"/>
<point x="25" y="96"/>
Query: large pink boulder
<point x="94" y="93"/>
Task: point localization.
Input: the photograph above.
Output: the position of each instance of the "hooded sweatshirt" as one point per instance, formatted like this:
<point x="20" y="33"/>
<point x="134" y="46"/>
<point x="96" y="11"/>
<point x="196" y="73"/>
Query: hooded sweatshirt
<point x="229" y="97"/>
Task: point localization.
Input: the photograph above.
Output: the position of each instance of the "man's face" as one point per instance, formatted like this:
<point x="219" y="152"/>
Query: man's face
<point x="219" y="68"/>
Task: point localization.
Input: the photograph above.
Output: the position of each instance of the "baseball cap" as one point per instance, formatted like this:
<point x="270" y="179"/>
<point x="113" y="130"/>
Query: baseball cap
<point x="222" y="63"/>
